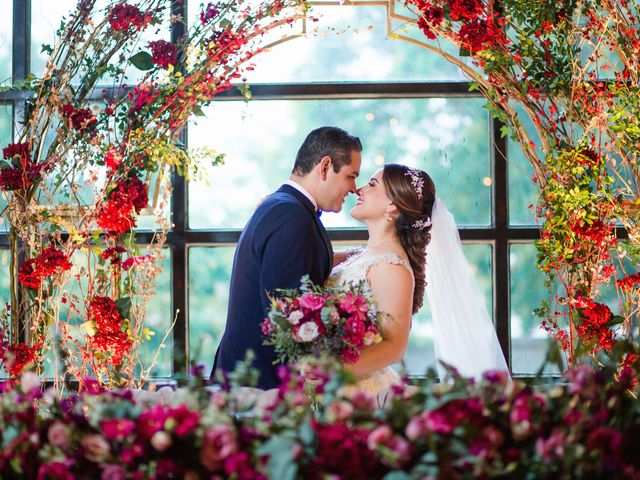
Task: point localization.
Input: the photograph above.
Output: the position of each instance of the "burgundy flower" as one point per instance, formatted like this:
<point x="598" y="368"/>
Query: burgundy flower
<point x="54" y="471"/>
<point x="82" y="119"/>
<point x="124" y="16"/>
<point x="163" y="53"/>
<point x="22" y="173"/>
<point x="210" y="12"/>
<point x="113" y="345"/>
<point x="51" y="261"/>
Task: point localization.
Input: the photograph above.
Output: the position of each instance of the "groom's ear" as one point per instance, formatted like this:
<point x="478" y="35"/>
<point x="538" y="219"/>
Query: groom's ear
<point x="325" y="165"/>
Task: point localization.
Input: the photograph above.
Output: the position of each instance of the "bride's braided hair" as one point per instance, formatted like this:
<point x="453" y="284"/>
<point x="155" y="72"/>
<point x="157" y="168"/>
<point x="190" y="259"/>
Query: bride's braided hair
<point x="413" y="192"/>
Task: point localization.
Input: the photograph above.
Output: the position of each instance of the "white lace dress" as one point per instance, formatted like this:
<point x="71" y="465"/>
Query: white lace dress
<point x="355" y="270"/>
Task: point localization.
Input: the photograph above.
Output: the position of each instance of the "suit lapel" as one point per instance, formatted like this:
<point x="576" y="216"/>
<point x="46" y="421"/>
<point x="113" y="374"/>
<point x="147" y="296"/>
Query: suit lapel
<point x="312" y="210"/>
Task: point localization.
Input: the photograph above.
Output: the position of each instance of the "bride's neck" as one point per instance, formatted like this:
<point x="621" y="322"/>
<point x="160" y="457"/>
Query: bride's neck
<point x="381" y="235"/>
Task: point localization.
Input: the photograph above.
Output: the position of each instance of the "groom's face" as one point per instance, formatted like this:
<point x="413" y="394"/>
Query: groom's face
<point x="339" y="184"/>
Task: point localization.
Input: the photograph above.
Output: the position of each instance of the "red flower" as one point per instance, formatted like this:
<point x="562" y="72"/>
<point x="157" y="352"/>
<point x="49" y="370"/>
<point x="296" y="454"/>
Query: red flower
<point x="432" y="16"/>
<point x="474" y="35"/>
<point x="588" y="158"/>
<point x="22" y="172"/>
<point x="114" y="345"/>
<point x="51" y="261"/>
<point x="17" y="357"/>
<point x="113" y="159"/>
<point x="465" y="9"/>
<point x="128" y="197"/>
<point x="82" y="119"/>
<point x="123" y="17"/>
<point x="627" y="283"/>
<point x="104" y="312"/>
<point x="163" y="53"/>
<point x="595" y="323"/>
<point x="598" y="231"/>
<point x="113" y="254"/>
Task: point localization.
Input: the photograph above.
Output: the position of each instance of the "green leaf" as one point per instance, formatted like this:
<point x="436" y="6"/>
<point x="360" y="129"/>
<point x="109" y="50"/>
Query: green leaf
<point x="281" y="464"/>
<point x="124" y="306"/>
<point x="45" y="48"/>
<point x="615" y="320"/>
<point x="142" y="61"/>
<point x="198" y="112"/>
<point x="397" y="476"/>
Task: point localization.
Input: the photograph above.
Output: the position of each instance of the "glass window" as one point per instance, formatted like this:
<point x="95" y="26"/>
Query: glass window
<point x="209" y="277"/>
<point x="346" y="43"/>
<point x="159" y="319"/>
<point x="6" y="137"/>
<point x="446" y="137"/>
<point x="45" y="22"/>
<point x="420" y="354"/>
<point x="529" y="341"/>
<point x="522" y="190"/>
<point x="6" y="40"/>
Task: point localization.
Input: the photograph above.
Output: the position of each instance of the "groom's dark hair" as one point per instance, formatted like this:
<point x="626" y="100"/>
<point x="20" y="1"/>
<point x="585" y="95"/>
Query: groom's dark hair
<point x="326" y="141"/>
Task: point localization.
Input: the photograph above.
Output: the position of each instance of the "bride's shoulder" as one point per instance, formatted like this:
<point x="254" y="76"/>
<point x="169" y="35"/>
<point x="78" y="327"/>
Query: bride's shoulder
<point x="389" y="258"/>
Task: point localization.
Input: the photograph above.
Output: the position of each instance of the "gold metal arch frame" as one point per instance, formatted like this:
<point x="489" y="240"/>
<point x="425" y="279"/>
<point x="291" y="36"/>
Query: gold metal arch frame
<point x="390" y="8"/>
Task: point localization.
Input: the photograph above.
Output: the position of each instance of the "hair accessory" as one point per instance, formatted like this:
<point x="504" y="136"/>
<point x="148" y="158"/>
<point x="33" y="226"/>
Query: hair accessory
<point x="421" y="224"/>
<point x="417" y="181"/>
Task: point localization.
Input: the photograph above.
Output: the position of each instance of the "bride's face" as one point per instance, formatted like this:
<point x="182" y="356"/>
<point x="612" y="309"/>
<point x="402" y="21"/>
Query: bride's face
<point x="372" y="200"/>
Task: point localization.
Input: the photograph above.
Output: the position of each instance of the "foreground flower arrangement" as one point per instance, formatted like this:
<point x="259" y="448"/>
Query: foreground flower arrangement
<point x="586" y="427"/>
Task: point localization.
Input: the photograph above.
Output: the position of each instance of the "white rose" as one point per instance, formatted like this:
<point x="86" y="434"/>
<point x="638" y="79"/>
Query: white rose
<point x="308" y="332"/>
<point x="295" y="317"/>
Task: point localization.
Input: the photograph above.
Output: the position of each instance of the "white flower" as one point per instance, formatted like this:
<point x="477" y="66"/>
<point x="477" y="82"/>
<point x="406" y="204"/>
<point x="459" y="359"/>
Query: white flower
<point x="295" y="317"/>
<point x="29" y="381"/>
<point x="308" y="331"/>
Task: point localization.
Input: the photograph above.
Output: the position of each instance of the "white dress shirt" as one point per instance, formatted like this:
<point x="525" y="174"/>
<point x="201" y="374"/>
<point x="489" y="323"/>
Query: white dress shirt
<point x="301" y="189"/>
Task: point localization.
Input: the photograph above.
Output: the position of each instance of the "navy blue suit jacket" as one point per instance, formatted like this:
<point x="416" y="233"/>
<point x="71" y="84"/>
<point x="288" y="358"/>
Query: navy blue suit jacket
<point x="283" y="241"/>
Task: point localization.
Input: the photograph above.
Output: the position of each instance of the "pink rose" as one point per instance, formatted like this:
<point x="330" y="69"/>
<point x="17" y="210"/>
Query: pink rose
<point x="95" y="447"/>
<point x="312" y="302"/>
<point x="339" y="411"/>
<point x="218" y="443"/>
<point x="295" y="317"/>
<point x="113" y="472"/>
<point x="380" y="435"/>
<point x="416" y="428"/>
<point x="58" y="435"/>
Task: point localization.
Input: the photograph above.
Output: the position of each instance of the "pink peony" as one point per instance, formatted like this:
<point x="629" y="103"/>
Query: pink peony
<point x="58" y="435"/>
<point x="312" y="302"/>
<point x="96" y="448"/>
<point x="113" y="472"/>
<point x="161" y="441"/>
<point x="218" y="444"/>
<point x="117" y="428"/>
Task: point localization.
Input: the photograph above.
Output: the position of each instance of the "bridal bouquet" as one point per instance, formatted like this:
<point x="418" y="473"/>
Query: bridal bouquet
<point x="314" y="320"/>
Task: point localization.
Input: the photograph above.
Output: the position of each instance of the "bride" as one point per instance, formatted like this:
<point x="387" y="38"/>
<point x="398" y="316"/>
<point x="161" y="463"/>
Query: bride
<point x="414" y="246"/>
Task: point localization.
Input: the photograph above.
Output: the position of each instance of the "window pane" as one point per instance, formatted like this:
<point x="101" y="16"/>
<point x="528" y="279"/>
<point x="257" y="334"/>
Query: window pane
<point x="6" y="137"/>
<point x="446" y="137"/>
<point x="209" y="277"/>
<point x="522" y="190"/>
<point x="45" y="21"/>
<point x="420" y="354"/>
<point x="347" y="43"/>
<point x="528" y="340"/>
<point x="6" y="36"/>
<point x="159" y="319"/>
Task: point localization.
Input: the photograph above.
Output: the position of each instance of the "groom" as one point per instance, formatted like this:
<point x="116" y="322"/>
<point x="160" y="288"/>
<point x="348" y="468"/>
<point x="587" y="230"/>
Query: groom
<point x="285" y="240"/>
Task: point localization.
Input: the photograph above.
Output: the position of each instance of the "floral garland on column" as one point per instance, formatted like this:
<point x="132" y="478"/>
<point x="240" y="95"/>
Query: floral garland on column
<point x="571" y="69"/>
<point x="81" y="172"/>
